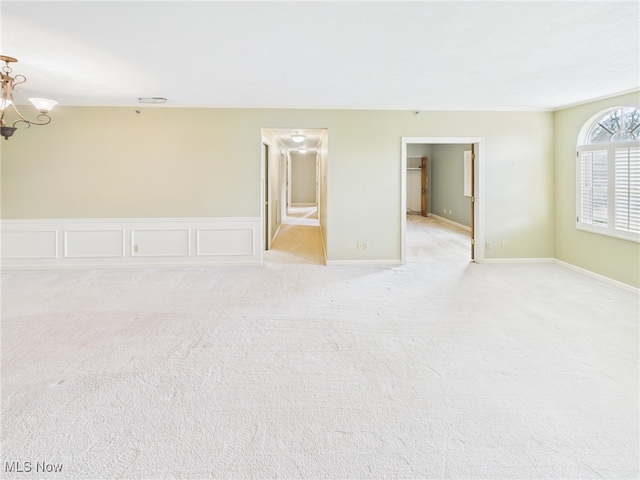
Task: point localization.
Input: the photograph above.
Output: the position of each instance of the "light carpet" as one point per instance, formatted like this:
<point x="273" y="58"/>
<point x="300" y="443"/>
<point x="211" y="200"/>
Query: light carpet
<point x="436" y="369"/>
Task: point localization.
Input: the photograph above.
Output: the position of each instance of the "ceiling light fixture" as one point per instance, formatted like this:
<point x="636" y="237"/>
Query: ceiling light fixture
<point x="302" y="149"/>
<point x="298" y="137"/>
<point x="9" y="83"/>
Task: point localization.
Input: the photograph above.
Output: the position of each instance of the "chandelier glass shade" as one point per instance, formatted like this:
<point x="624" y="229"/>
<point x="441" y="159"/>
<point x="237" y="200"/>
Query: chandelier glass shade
<point x="7" y="103"/>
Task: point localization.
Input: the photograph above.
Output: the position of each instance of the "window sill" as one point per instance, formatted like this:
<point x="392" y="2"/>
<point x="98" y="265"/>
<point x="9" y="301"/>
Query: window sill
<point x="605" y="231"/>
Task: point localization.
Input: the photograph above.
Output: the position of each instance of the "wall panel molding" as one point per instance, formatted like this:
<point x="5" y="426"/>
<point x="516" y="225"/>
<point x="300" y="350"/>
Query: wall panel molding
<point x="130" y="242"/>
<point x="30" y="244"/>
<point x="93" y="243"/>
<point x="225" y="241"/>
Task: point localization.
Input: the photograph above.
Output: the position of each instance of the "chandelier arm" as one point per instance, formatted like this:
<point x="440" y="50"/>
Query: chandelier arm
<point x="42" y="118"/>
<point x="14" y="83"/>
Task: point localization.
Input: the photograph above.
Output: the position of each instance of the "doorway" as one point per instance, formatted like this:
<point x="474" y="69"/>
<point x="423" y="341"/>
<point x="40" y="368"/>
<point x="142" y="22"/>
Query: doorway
<point x="414" y="157"/>
<point x="294" y="164"/>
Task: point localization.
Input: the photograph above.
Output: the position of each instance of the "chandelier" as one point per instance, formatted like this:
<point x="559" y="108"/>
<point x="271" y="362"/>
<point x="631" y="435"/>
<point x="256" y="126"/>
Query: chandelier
<point x="9" y="83"/>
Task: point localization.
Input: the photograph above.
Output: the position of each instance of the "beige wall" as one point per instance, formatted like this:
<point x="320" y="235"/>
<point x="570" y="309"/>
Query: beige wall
<point x="173" y="162"/>
<point x="274" y="168"/>
<point x="323" y="162"/>
<point x="303" y="179"/>
<point x="608" y="256"/>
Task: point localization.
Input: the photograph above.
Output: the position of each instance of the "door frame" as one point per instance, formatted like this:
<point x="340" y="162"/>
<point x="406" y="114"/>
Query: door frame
<point x="264" y="197"/>
<point x="478" y="185"/>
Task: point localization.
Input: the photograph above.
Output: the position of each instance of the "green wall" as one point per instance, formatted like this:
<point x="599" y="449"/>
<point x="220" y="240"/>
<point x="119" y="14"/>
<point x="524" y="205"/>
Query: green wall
<point x="447" y="183"/>
<point x="612" y="257"/>
<point x="93" y="162"/>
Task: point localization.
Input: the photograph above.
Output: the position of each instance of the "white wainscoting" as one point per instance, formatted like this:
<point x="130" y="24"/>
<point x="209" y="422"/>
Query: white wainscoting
<point x="139" y="241"/>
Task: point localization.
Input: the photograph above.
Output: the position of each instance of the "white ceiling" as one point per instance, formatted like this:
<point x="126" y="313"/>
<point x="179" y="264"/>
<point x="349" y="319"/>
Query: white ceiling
<point x="370" y="55"/>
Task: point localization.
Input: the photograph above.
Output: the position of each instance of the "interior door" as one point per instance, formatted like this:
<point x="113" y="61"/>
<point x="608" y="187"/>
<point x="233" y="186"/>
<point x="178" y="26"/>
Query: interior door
<point x="424" y="185"/>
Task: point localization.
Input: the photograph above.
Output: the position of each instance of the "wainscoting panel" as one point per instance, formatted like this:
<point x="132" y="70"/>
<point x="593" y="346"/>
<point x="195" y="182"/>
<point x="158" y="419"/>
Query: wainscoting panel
<point x="160" y="243"/>
<point x="93" y="244"/>
<point x="146" y="241"/>
<point x="29" y="244"/>
<point x="229" y="241"/>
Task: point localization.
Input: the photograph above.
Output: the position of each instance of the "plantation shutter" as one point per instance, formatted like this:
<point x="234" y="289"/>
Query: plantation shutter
<point x="627" y="189"/>
<point x="594" y="187"/>
<point x="468" y="158"/>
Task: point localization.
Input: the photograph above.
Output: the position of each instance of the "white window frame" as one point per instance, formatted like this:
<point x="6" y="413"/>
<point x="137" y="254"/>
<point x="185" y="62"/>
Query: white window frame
<point x="609" y="229"/>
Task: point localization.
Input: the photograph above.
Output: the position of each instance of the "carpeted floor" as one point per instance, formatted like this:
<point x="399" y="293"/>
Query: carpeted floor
<point x="436" y="369"/>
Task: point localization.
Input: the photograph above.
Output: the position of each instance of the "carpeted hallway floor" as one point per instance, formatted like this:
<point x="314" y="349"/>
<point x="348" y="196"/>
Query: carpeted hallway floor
<point x="436" y="369"/>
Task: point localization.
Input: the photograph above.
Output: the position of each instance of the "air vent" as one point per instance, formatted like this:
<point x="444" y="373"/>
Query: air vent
<point x="152" y="100"/>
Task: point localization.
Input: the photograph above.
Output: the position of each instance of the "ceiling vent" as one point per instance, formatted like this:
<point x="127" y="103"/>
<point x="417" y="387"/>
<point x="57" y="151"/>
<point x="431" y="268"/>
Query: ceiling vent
<point x="152" y="100"/>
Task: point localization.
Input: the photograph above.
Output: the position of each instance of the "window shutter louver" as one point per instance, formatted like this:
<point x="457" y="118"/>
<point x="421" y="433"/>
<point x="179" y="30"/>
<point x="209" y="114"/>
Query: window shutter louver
<point x="467" y="173"/>
<point x="594" y="195"/>
<point x="586" y="181"/>
<point x="634" y="189"/>
<point x="627" y="189"/>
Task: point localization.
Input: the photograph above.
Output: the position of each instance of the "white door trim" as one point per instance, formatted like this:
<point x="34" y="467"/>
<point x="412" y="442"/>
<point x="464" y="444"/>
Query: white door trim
<point x="479" y="163"/>
<point x="266" y="221"/>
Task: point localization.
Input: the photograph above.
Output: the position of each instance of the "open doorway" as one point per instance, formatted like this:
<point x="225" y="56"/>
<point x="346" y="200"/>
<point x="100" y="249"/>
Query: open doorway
<point x="441" y="202"/>
<point x="294" y="170"/>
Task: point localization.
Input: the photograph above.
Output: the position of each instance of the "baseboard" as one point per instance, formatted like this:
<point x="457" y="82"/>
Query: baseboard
<point x="566" y="265"/>
<point x="353" y="263"/>
<point x="102" y="266"/>
<point x="575" y="268"/>
<point x="133" y="242"/>
<point x="451" y="222"/>
<point x="518" y="260"/>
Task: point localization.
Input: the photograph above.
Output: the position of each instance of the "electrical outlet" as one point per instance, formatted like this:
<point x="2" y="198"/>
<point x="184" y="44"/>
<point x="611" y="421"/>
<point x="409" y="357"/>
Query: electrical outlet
<point x="360" y="246"/>
<point x="445" y="211"/>
<point x="504" y="244"/>
<point x="488" y="245"/>
<point x="366" y="245"/>
<point x="449" y="212"/>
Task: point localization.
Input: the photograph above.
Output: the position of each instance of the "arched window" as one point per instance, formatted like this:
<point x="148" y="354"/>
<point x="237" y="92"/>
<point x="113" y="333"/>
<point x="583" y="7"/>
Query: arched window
<point x="608" y="174"/>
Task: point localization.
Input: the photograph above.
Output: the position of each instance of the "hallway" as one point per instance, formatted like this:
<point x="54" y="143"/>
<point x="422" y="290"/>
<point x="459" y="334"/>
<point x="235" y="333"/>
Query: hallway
<point x="299" y="239"/>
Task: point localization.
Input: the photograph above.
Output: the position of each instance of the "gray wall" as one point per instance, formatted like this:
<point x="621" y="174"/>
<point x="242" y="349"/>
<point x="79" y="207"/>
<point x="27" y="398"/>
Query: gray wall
<point x="447" y="183"/>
